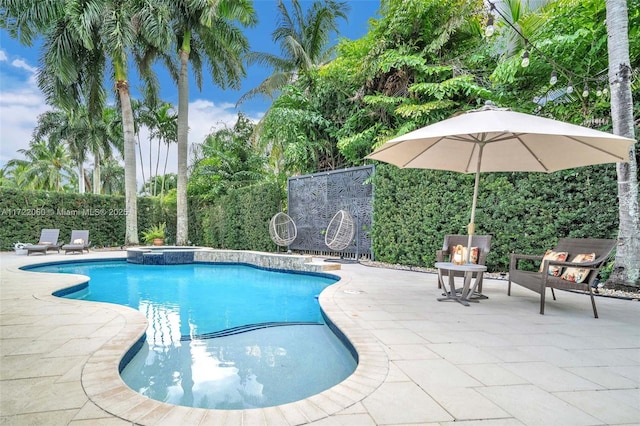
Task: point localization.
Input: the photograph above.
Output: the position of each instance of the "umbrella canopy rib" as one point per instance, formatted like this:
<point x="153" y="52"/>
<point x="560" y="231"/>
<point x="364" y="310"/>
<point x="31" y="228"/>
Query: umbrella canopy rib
<point x="597" y="148"/>
<point x="533" y="154"/>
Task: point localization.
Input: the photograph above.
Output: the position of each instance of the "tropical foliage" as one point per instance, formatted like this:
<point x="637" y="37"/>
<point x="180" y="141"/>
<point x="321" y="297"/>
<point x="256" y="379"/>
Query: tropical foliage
<point x="225" y="160"/>
<point x="420" y="62"/>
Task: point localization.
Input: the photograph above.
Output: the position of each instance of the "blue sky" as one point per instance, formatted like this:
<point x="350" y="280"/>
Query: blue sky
<point x="21" y="102"/>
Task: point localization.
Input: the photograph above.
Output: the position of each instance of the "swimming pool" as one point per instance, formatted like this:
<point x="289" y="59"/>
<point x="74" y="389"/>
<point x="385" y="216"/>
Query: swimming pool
<point x="222" y="336"/>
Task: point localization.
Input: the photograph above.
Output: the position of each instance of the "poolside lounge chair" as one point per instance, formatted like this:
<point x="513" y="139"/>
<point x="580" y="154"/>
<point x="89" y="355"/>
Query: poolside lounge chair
<point x="79" y="242"/>
<point x="482" y="242"/>
<point x="587" y="256"/>
<point x="48" y="241"/>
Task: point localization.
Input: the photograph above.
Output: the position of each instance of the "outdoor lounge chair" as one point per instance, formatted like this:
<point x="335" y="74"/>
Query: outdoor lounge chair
<point x="79" y="242"/>
<point x="483" y="242"/>
<point x="48" y="241"/>
<point x="561" y="274"/>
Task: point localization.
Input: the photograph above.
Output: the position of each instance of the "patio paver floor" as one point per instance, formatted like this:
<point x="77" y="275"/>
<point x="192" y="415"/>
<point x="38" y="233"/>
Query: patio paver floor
<point x="422" y="362"/>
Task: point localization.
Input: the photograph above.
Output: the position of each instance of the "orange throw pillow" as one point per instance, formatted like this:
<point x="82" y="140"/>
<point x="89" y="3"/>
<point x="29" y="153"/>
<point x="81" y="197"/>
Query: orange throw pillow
<point x="578" y="275"/>
<point x="459" y="255"/>
<point x="559" y="256"/>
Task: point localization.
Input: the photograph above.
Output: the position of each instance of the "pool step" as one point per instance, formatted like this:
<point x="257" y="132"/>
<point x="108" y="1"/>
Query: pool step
<point x="322" y="266"/>
<point x="243" y="329"/>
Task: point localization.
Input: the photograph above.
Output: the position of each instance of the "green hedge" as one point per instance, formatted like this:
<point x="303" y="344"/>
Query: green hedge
<point x="240" y="219"/>
<point x="525" y="212"/>
<point x="413" y="210"/>
<point x="25" y="213"/>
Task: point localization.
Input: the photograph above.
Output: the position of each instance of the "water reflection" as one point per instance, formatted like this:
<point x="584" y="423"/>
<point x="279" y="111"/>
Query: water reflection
<point x="255" y="369"/>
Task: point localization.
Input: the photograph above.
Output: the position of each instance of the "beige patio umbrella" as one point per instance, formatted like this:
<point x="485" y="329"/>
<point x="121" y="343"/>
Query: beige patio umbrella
<point x="494" y="139"/>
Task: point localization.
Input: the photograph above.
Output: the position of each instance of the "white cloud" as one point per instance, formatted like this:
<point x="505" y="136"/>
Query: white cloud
<point x="19" y="63"/>
<point x="21" y="102"/>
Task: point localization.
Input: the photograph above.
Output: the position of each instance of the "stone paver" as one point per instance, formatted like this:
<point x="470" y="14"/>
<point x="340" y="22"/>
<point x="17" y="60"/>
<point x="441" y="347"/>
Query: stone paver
<point x="423" y="362"/>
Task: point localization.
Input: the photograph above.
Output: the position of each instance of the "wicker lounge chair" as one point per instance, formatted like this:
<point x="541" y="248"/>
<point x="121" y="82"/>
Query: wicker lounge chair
<point x="542" y="279"/>
<point x="79" y="242"/>
<point x="483" y="242"/>
<point x="48" y="241"/>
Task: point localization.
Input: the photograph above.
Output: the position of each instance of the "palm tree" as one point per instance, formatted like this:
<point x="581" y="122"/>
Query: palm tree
<point x="139" y="111"/>
<point x="112" y="176"/>
<point x="14" y="175"/>
<point x="162" y="122"/>
<point x="304" y="43"/>
<point x="47" y="166"/>
<point x="205" y="30"/>
<point x="79" y="38"/>
<point x="525" y="16"/>
<point x="70" y="128"/>
<point x="106" y="136"/>
<point x="167" y="132"/>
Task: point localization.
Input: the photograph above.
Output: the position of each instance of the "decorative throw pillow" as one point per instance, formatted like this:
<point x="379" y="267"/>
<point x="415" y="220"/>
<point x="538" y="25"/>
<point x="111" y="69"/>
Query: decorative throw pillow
<point x="559" y="256"/>
<point x="459" y="255"/>
<point x="578" y="275"/>
<point x="78" y="241"/>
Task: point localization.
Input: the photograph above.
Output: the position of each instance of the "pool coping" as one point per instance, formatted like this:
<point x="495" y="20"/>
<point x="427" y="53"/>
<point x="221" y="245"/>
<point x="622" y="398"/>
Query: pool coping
<point x="103" y="385"/>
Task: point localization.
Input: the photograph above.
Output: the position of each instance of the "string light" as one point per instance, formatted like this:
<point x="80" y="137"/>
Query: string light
<point x="529" y="47"/>
<point x="525" y="59"/>
<point x="490" y="29"/>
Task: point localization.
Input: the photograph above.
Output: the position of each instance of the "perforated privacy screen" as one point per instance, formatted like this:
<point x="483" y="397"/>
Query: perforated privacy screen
<point x="315" y="199"/>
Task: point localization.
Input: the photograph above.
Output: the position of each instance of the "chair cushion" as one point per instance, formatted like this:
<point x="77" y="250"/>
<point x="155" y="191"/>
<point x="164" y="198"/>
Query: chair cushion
<point x="45" y="243"/>
<point x="559" y="256"/>
<point x="78" y="241"/>
<point x="459" y="254"/>
<point x="578" y="275"/>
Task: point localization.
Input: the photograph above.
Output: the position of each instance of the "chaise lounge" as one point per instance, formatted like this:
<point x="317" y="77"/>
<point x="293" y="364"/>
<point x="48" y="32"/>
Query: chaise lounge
<point x="48" y="241"/>
<point x="587" y="257"/>
<point x="79" y="242"/>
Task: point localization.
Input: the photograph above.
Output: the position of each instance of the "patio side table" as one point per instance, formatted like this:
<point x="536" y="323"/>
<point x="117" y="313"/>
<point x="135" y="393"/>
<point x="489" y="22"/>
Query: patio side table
<point x="464" y="296"/>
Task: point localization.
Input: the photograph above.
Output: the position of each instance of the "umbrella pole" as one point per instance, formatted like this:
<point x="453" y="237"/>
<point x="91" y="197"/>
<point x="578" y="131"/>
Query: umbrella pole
<point x="471" y="228"/>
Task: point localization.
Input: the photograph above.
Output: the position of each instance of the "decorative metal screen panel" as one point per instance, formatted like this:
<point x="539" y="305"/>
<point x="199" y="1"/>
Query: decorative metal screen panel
<point x="315" y="199"/>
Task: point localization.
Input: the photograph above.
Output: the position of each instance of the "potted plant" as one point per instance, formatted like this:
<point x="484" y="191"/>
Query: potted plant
<point x="155" y="234"/>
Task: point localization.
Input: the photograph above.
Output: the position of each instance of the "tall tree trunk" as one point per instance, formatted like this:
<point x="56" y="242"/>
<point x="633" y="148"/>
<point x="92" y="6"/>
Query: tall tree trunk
<point x="130" y="187"/>
<point x="97" y="184"/>
<point x="80" y="178"/>
<point x="155" y="182"/>
<point x="164" y="172"/>
<point x="627" y="264"/>
<point x="150" y="163"/>
<point x="141" y="161"/>
<point x="182" y="228"/>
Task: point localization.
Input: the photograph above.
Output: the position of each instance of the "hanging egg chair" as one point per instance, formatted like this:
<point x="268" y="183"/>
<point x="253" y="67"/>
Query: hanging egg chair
<point x="282" y="229"/>
<point x="340" y="231"/>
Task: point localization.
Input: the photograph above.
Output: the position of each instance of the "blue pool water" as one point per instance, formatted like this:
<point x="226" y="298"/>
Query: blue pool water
<point x="222" y="336"/>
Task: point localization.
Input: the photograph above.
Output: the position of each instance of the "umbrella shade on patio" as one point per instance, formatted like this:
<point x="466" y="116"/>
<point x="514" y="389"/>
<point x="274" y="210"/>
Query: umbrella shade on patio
<point x="493" y="139"/>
